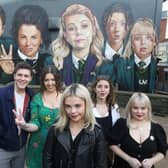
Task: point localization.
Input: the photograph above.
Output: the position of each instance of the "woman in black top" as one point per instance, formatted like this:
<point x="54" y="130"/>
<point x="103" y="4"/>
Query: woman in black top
<point x="75" y="141"/>
<point x="137" y="141"/>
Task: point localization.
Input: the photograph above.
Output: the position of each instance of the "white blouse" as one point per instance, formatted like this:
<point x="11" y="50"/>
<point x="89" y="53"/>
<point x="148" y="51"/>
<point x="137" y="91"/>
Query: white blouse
<point x="114" y="113"/>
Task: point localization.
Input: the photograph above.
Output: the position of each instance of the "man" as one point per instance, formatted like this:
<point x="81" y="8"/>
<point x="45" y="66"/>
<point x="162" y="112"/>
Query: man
<point x="14" y="97"/>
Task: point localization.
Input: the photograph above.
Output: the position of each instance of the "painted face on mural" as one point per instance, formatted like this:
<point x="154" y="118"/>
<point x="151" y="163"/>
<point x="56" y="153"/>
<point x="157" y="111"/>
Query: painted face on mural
<point x="29" y="40"/>
<point x="78" y="31"/>
<point x="143" y="44"/>
<point x="116" y="28"/>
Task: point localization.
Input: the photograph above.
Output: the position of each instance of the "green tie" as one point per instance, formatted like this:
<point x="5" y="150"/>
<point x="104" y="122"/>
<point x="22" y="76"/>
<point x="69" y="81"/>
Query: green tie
<point x="81" y="65"/>
<point x="141" y="65"/>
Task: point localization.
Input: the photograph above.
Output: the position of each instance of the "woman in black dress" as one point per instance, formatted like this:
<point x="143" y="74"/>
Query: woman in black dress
<point x="137" y="141"/>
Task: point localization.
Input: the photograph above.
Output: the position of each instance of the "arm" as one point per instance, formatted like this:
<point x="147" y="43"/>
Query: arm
<point x="133" y="162"/>
<point x="33" y="124"/>
<point x="20" y="121"/>
<point x="48" y="154"/>
<point x="148" y="163"/>
<point x="160" y="136"/>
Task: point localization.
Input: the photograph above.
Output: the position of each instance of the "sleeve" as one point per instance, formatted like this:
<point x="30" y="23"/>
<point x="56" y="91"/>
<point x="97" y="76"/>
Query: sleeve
<point x="117" y="132"/>
<point x="48" y="150"/>
<point x="115" y="113"/>
<point x="161" y="139"/>
<point x="35" y="107"/>
<point x="99" y="150"/>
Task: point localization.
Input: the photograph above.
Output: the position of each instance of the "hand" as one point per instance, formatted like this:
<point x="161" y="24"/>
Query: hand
<point x="134" y="163"/>
<point x="6" y="61"/>
<point x="19" y="119"/>
<point x="147" y="163"/>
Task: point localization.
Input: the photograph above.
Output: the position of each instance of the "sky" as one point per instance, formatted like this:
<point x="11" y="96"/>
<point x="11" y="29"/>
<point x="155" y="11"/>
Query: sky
<point x="165" y="6"/>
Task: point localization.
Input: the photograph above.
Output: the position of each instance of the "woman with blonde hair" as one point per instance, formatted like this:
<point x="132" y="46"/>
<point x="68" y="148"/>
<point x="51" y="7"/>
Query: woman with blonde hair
<point x="75" y="140"/>
<point x="137" y="70"/>
<point x="77" y="51"/>
<point x="138" y="141"/>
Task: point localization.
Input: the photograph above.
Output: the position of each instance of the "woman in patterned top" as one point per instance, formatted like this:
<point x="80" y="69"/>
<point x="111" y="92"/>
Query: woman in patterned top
<point x="44" y="111"/>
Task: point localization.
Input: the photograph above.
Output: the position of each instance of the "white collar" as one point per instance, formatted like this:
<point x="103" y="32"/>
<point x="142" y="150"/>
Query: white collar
<point x="146" y="60"/>
<point x="76" y="59"/>
<point x="24" y="57"/>
<point x="110" y="52"/>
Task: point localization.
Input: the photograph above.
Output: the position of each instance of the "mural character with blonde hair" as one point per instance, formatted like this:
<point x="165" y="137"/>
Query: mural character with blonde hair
<point x="136" y="71"/>
<point x="77" y="51"/>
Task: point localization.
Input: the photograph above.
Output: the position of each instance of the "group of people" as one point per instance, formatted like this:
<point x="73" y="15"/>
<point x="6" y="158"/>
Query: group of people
<point x="79" y="52"/>
<point x="70" y="125"/>
<point x="75" y="126"/>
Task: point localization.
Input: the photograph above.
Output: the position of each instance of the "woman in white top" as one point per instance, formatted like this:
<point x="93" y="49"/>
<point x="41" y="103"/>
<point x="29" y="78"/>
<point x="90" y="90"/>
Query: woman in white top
<point x="106" y="110"/>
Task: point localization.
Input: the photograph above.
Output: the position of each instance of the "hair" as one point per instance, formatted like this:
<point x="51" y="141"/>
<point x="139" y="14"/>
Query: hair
<point x="80" y="91"/>
<point x="119" y="7"/>
<point x="50" y="69"/>
<point x="138" y="98"/>
<point x="31" y="15"/>
<point x="110" y="100"/>
<point x="142" y="25"/>
<point x="23" y="65"/>
<point x="2" y="15"/>
<point x="61" y="48"/>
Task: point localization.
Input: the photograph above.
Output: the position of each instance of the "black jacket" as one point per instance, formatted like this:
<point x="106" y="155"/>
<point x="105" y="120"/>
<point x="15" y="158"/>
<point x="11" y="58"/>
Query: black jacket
<point x="9" y="138"/>
<point x="90" y="152"/>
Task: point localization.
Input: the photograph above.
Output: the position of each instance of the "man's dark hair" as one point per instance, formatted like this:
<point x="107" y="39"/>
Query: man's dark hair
<point x="31" y="15"/>
<point x="2" y="15"/>
<point x="23" y="65"/>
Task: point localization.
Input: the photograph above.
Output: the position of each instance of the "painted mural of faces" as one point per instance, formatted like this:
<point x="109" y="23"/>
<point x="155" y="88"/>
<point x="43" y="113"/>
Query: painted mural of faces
<point x="78" y="31"/>
<point x="30" y="29"/>
<point x="117" y="20"/>
<point x="143" y="38"/>
<point x="78" y="25"/>
<point x="116" y="28"/>
<point x="29" y="39"/>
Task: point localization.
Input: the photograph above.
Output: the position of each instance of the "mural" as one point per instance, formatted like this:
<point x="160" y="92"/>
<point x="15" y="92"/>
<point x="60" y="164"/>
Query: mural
<point x="81" y="54"/>
<point x="30" y="32"/>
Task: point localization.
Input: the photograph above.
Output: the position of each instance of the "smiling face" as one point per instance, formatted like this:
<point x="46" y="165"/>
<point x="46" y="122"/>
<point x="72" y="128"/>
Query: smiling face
<point x="116" y="28"/>
<point x="29" y="40"/>
<point x="102" y="89"/>
<point x="139" y="112"/>
<point x="75" y="109"/>
<point x="78" y="31"/>
<point x="22" y="78"/>
<point x="49" y="82"/>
